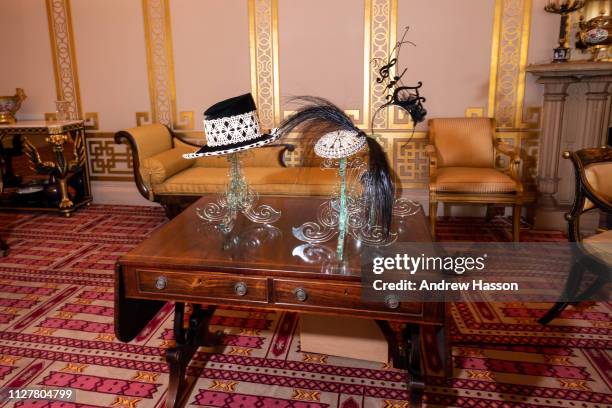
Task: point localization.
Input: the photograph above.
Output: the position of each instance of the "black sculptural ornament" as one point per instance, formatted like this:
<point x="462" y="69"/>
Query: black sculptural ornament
<point x="398" y="94"/>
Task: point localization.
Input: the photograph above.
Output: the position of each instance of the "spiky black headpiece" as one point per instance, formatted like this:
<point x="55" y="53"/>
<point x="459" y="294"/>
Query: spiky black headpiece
<point x="398" y="94"/>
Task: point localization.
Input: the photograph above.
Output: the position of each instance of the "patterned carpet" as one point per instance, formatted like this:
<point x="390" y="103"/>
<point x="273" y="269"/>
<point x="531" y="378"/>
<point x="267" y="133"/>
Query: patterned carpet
<point x="56" y="314"/>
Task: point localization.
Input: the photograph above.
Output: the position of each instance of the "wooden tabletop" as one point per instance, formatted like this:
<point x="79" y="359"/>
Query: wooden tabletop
<point x="189" y="243"/>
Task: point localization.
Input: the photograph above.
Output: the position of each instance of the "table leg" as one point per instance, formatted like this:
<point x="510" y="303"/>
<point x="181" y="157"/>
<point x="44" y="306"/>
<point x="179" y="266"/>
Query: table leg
<point x="412" y="339"/>
<point x="405" y="350"/>
<point x="187" y="343"/>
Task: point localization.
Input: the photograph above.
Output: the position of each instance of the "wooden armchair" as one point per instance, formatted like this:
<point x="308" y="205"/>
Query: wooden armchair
<point x="462" y="167"/>
<point x="593" y="172"/>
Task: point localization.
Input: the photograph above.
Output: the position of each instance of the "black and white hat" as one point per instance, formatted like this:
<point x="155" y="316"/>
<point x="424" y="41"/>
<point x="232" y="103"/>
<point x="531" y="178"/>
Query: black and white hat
<point x="232" y="125"/>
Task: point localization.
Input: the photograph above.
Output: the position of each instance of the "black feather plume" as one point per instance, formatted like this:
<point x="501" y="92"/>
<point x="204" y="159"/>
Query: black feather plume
<point x="319" y="116"/>
<point x="378" y="188"/>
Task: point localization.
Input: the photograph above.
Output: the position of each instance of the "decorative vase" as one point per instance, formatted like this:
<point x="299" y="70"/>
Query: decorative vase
<point x="595" y="30"/>
<point x="9" y="105"/>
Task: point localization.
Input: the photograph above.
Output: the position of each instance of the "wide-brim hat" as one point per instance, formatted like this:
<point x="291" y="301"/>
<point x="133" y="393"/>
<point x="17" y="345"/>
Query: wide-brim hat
<point x="231" y="126"/>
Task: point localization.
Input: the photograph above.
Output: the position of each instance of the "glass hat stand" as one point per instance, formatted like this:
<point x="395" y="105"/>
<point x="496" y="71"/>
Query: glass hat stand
<point x="237" y="198"/>
<point x="347" y="211"/>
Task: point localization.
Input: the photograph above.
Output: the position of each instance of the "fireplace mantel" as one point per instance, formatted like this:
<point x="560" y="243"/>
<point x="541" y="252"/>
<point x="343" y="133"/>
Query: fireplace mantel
<point x="556" y="79"/>
<point x="578" y="69"/>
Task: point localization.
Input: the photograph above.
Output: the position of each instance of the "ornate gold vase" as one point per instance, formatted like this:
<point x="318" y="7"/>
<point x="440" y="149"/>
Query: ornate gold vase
<point x="595" y="29"/>
<point x="9" y="105"/>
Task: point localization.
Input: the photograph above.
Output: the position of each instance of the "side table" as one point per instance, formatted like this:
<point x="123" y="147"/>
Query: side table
<point x="61" y="171"/>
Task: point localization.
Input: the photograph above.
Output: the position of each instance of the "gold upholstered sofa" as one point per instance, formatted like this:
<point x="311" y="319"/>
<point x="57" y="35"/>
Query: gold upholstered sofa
<point x="162" y="175"/>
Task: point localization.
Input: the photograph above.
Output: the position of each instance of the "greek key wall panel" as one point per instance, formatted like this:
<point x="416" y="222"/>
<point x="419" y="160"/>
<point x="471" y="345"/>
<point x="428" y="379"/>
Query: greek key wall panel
<point x="108" y="161"/>
<point x="113" y="87"/>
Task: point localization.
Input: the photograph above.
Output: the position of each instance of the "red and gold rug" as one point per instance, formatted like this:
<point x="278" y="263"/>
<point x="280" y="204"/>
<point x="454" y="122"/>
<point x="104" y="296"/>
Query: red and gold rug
<point x="56" y="314"/>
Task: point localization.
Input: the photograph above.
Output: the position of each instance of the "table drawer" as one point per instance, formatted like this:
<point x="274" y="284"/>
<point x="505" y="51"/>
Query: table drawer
<point x="332" y="295"/>
<point x="209" y="286"/>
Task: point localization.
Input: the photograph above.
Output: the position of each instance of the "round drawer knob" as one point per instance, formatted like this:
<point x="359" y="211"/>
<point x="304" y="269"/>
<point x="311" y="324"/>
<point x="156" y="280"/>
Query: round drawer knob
<point x="392" y="302"/>
<point x="301" y="294"/>
<point x="161" y="283"/>
<point x="240" y="289"/>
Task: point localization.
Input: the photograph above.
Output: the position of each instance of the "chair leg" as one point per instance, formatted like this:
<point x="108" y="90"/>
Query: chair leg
<point x="516" y="222"/>
<point x="490" y="212"/>
<point x="553" y="312"/>
<point x="569" y="294"/>
<point x="433" y="212"/>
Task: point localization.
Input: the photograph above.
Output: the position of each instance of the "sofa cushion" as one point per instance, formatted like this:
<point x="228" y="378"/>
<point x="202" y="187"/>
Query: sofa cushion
<point x="157" y="168"/>
<point x="472" y="180"/>
<point x="264" y="180"/>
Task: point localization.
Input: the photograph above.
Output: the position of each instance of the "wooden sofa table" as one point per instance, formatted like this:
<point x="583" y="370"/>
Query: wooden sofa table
<point x="263" y="266"/>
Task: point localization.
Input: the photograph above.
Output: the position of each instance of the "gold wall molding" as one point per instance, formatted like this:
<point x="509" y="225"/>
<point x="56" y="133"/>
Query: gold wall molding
<point x="91" y="121"/>
<point x="143" y="118"/>
<point x="160" y="67"/>
<point x="63" y="53"/>
<point x="511" y="30"/>
<point x="474" y="112"/>
<point x="263" y="42"/>
<point x="158" y="41"/>
<point x="186" y="121"/>
<point x="381" y="33"/>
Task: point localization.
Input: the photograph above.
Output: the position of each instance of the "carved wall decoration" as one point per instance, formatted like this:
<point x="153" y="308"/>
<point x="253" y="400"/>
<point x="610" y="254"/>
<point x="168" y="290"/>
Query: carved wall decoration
<point x="63" y="54"/>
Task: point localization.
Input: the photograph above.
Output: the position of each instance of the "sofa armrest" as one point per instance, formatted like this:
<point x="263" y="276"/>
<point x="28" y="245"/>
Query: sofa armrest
<point x="125" y="137"/>
<point x="287" y="147"/>
<point x="157" y="169"/>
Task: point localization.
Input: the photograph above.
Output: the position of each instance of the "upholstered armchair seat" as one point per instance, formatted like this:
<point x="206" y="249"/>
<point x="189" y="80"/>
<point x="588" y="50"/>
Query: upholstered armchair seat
<point x="462" y="167"/>
<point x="600" y="246"/>
<point x="472" y="180"/>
